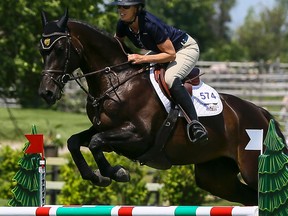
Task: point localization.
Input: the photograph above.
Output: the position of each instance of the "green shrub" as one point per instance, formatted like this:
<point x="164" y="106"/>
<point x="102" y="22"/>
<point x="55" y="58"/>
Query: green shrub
<point x="9" y="166"/>
<point x="79" y="191"/>
<point x="180" y="186"/>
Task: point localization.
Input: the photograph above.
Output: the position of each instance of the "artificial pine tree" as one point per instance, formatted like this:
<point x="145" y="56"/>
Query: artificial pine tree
<point x="273" y="176"/>
<point x="27" y="189"/>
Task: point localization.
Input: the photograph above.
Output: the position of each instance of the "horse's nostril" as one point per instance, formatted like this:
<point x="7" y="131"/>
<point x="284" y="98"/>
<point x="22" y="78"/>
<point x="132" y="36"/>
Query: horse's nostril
<point x="46" y="94"/>
<point x="49" y="93"/>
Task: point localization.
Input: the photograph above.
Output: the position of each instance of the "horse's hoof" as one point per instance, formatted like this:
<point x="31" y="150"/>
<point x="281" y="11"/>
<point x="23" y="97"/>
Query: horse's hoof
<point x="121" y="174"/>
<point x="100" y="180"/>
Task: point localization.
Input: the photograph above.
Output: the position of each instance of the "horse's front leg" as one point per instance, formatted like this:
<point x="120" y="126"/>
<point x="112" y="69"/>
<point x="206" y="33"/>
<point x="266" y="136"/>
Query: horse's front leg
<point x="114" y="139"/>
<point x="74" y="143"/>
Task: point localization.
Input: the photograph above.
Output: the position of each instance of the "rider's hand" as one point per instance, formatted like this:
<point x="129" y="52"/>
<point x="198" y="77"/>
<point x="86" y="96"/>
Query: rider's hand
<point x="136" y="58"/>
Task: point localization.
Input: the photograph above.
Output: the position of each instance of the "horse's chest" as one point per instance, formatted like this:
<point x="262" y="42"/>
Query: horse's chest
<point x="108" y="112"/>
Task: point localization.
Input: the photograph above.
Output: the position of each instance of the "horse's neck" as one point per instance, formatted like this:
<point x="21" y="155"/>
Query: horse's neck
<point x="99" y="50"/>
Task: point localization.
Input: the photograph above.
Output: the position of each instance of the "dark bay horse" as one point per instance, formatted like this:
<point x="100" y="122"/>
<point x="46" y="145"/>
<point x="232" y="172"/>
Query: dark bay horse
<point x="126" y="115"/>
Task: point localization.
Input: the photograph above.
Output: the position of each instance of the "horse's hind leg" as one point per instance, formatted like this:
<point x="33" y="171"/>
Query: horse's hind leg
<point x="74" y="144"/>
<point x="219" y="177"/>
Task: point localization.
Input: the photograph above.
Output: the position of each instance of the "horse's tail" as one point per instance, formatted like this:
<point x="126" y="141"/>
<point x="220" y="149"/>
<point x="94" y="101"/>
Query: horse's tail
<point x="269" y="116"/>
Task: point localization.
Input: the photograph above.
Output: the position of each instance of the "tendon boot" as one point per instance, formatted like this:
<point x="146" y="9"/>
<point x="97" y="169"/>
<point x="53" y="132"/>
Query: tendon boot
<point x="195" y="130"/>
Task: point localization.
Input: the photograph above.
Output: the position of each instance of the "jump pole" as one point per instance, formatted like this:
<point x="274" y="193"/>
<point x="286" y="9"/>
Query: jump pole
<point x="102" y="210"/>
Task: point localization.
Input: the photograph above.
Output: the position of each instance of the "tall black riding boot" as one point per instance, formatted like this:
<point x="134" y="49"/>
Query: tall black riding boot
<point x="195" y="130"/>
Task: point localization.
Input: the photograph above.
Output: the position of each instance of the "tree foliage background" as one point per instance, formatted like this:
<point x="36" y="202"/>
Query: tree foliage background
<point x="262" y="37"/>
<point x="266" y="34"/>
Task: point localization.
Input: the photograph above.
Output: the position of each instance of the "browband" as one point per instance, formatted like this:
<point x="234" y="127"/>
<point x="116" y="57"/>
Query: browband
<point x="47" y="41"/>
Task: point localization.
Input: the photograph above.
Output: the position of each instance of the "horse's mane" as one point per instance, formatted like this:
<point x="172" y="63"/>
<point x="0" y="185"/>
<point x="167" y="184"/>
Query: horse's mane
<point x="101" y="31"/>
<point x="91" y="27"/>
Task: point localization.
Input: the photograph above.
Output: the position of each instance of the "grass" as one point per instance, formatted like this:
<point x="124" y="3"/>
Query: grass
<point x="47" y="121"/>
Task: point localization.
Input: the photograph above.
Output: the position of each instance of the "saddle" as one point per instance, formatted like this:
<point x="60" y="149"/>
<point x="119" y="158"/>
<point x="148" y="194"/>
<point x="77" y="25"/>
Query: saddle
<point x="155" y="156"/>
<point x="192" y="79"/>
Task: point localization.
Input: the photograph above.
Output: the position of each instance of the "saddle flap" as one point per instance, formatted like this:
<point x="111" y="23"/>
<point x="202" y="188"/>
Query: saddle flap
<point x="159" y="74"/>
<point x="193" y="79"/>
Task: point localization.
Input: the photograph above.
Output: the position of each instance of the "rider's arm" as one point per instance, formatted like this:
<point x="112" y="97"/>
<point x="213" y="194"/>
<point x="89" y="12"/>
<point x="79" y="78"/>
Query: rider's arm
<point x="167" y="54"/>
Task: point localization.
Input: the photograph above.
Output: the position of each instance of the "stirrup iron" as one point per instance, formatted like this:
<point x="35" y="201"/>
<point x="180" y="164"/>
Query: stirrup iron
<point x="194" y="139"/>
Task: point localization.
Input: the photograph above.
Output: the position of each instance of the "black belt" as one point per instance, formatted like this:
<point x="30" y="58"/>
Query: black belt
<point x="181" y="43"/>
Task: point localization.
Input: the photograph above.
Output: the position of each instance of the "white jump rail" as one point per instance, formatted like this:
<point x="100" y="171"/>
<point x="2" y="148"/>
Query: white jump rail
<point x="130" y="211"/>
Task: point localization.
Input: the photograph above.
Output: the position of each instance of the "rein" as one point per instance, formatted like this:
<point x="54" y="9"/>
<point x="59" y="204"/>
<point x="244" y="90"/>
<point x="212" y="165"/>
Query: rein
<point x="96" y="101"/>
<point x="107" y="70"/>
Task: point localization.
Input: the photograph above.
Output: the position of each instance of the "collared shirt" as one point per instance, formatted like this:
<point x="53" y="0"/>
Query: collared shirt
<point x="152" y="31"/>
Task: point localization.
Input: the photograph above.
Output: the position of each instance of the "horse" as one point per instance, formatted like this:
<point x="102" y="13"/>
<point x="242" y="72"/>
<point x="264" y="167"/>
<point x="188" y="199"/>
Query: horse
<point x="126" y="115"/>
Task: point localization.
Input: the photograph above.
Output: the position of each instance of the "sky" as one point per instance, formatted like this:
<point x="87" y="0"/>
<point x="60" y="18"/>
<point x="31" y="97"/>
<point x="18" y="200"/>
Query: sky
<point x="239" y="12"/>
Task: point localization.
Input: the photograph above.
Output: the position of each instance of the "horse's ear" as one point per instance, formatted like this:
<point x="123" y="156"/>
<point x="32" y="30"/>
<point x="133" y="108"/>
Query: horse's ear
<point x="63" y="21"/>
<point x="44" y="19"/>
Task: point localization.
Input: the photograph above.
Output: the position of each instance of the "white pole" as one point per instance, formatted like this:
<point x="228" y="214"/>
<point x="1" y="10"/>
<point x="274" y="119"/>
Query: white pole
<point x="42" y="183"/>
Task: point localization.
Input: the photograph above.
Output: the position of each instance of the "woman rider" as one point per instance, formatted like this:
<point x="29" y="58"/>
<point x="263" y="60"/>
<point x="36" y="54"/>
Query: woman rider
<point x="168" y="45"/>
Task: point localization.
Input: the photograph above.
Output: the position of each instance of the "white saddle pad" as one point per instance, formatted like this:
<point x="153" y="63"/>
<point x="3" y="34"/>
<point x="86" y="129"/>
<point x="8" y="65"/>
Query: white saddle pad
<point x="205" y="98"/>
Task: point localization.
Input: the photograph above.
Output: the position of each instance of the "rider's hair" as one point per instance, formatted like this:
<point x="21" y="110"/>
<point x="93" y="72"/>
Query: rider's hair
<point x="140" y="8"/>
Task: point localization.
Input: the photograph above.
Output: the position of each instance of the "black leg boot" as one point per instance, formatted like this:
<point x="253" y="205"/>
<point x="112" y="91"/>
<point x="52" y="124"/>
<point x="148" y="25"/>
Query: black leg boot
<point x="195" y="130"/>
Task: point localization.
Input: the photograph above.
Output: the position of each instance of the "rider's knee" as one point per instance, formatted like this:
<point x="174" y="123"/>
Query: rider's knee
<point x="169" y="80"/>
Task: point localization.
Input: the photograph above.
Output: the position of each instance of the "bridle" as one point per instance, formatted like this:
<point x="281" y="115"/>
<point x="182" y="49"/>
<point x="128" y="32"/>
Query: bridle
<point x="46" y="45"/>
<point x="64" y="76"/>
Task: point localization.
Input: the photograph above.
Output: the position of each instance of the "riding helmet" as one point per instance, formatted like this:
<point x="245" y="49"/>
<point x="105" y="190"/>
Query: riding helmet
<point x="128" y="2"/>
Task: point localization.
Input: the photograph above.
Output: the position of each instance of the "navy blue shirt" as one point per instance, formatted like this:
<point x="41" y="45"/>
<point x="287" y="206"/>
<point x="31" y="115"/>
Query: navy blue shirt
<point x="152" y="31"/>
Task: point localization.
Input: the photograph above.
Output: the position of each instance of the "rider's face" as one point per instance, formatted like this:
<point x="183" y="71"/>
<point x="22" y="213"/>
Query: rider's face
<point x="127" y="13"/>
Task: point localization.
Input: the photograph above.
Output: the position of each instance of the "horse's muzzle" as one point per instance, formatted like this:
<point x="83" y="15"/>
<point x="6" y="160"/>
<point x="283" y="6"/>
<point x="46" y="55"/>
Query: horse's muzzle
<point x="48" y="96"/>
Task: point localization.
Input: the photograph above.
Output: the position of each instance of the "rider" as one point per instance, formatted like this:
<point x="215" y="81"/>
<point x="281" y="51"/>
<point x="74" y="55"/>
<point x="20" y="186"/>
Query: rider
<point x="168" y="45"/>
